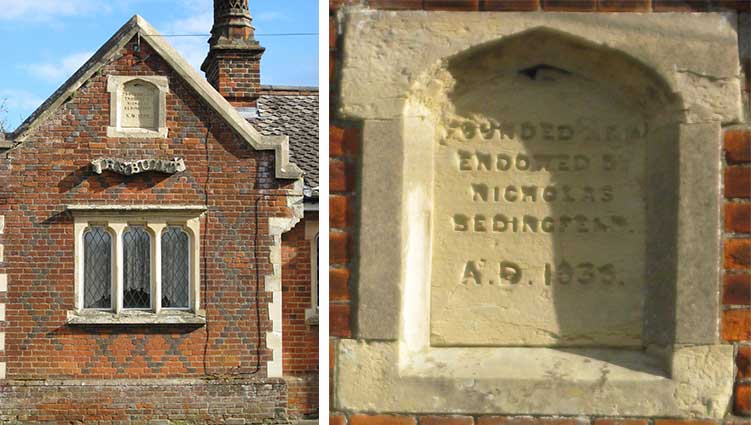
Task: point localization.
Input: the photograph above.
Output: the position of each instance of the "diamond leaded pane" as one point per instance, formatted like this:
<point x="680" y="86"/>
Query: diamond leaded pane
<point x="175" y="268"/>
<point x="137" y="268"/>
<point x="97" y="268"/>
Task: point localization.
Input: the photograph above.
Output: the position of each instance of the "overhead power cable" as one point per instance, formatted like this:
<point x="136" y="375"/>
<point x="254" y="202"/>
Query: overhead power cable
<point x="289" y="34"/>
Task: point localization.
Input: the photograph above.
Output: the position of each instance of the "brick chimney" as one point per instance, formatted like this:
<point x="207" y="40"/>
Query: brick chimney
<point x="233" y="65"/>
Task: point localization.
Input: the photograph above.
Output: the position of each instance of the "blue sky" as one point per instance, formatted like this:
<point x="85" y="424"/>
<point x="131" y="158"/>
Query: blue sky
<point x="45" y="41"/>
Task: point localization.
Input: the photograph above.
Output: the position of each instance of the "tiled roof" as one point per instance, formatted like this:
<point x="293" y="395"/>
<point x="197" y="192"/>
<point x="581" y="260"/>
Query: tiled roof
<point x="296" y="116"/>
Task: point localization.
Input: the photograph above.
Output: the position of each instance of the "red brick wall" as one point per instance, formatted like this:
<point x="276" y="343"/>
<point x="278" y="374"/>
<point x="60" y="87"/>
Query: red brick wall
<point x="343" y="148"/>
<point x="345" y="138"/>
<point x="51" y="169"/>
<point x="736" y="291"/>
<point x="300" y="338"/>
<point x="302" y="396"/>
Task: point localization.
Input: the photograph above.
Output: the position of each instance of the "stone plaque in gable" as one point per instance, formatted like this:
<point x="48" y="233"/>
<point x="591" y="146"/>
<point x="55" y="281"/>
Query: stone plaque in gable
<point x="539" y="213"/>
<point x="139" y="105"/>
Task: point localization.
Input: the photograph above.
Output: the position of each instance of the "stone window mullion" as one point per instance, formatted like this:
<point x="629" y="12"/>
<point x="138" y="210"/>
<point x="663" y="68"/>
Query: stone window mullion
<point x="117" y="293"/>
<point x="156" y="277"/>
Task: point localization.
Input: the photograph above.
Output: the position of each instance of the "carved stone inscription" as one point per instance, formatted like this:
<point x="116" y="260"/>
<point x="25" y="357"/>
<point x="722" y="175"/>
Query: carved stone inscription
<point x="139" y="105"/>
<point x="539" y="216"/>
<point x="128" y="168"/>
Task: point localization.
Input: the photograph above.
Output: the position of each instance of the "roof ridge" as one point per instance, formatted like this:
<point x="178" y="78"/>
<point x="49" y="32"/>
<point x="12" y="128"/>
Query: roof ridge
<point x="268" y="90"/>
<point x="286" y="87"/>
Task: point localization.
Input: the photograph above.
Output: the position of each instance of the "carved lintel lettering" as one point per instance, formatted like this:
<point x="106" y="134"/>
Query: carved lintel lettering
<point x="485" y="161"/>
<point x="489" y="129"/>
<point x="482" y="192"/>
<point x="171" y="166"/>
<point x="501" y="223"/>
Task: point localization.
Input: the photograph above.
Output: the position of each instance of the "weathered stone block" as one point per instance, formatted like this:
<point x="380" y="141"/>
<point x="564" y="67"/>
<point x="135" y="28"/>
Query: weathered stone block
<point x="540" y="213"/>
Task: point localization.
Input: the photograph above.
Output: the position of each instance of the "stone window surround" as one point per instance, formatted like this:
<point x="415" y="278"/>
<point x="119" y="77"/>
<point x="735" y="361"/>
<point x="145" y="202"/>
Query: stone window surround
<point x="311" y="234"/>
<point x="391" y="366"/>
<point x="116" y="219"/>
<point x="115" y="84"/>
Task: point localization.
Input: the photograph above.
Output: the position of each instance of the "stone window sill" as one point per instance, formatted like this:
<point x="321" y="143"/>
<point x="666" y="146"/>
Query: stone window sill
<point x="107" y="318"/>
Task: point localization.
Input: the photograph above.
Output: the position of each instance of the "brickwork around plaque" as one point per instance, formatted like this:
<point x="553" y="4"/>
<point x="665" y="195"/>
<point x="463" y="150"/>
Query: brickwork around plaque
<point x="345" y="144"/>
<point x="300" y="340"/>
<point x="215" y="373"/>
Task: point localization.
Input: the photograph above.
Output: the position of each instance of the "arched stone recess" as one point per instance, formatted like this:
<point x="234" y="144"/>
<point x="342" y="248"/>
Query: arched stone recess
<point x="540" y="205"/>
<point x="138" y="106"/>
<point x="555" y="149"/>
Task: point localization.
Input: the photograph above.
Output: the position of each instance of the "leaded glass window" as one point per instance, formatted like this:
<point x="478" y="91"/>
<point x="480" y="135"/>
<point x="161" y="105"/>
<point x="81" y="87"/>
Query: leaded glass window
<point x="137" y="268"/>
<point x="175" y="268"/>
<point x="97" y="268"/>
<point x="122" y="269"/>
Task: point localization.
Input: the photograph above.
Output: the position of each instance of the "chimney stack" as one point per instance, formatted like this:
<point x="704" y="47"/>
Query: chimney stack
<point x="233" y="65"/>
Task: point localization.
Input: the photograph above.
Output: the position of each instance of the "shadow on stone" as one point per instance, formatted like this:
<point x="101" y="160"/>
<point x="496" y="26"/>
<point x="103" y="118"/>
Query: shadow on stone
<point x="566" y="150"/>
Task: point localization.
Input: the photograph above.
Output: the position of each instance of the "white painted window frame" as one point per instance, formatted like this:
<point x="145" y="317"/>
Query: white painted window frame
<point x="115" y="85"/>
<point x="116" y="220"/>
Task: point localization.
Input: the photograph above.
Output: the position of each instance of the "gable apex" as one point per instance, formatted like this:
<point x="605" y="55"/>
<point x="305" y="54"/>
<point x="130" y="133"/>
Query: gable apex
<point x="137" y="25"/>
